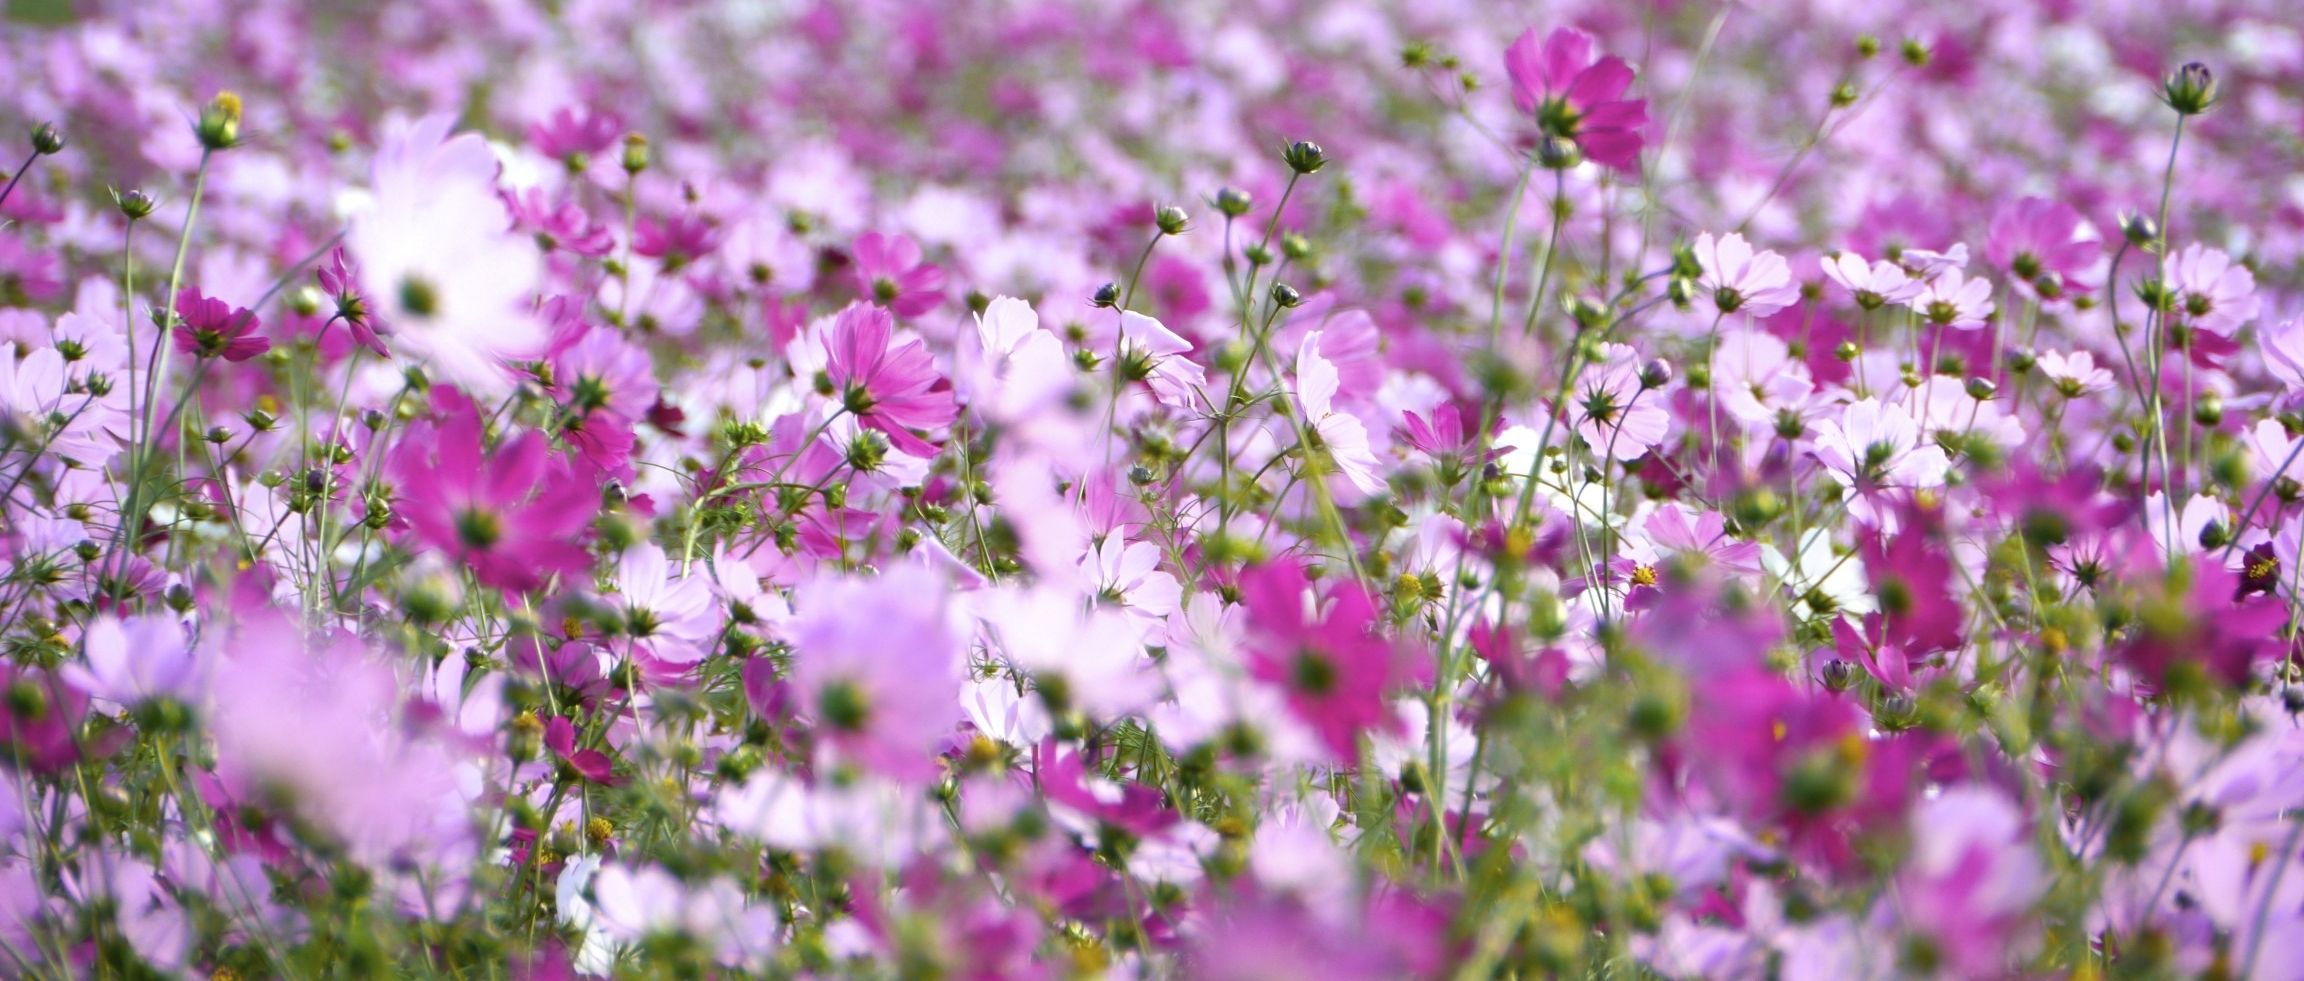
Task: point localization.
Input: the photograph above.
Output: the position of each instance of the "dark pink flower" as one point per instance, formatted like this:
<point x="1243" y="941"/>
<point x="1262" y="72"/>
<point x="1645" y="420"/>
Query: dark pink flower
<point x="515" y="516"/>
<point x="889" y="271"/>
<point x="340" y="279"/>
<point x="1576" y="97"/>
<point x="2190" y="631"/>
<point x="572" y="135"/>
<point x="682" y="239"/>
<point x="1326" y="655"/>
<point x="891" y="390"/>
<point x="592" y="765"/>
<point x="212" y="328"/>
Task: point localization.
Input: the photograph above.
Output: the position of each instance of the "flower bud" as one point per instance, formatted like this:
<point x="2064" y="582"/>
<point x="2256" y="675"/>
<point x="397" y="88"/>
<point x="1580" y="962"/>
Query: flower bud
<point x="1844" y="96"/>
<point x="2140" y="230"/>
<point x="2021" y="359"/>
<point x="2209" y="410"/>
<point x="1170" y="219"/>
<point x="635" y="153"/>
<point x="1915" y="53"/>
<point x="1295" y="247"/>
<point x="1839" y="675"/>
<point x="47" y="140"/>
<point x="2215" y="535"/>
<point x="1233" y="202"/>
<point x="1285" y="296"/>
<point x="1846" y="351"/>
<point x="1982" y="389"/>
<point x="1107" y="296"/>
<point x="136" y="204"/>
<point x="1656" y="374"/>
<point x="2190" y="90"/>
<point x="1867" y="45"/>
<point x="1558" y="153"/>
<point x="219" y="125"/>
<point x="1304" y="157"/>
<point x="1681" y="291"/>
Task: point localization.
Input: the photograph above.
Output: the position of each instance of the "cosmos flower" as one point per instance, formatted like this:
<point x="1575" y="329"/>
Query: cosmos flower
<point x="1324" y="653"/>
<point x="1340" y="433"/>
<point x="1578" y="95"/>
<point x="891" y="274"/>
<point x="210" y="328"/>
<point x="438" y="259"/>
<point x="514" y="515"/>
<point x="2212" y="292"/>
<point x="1744" y="281"/>
<point x="890" y="389"/>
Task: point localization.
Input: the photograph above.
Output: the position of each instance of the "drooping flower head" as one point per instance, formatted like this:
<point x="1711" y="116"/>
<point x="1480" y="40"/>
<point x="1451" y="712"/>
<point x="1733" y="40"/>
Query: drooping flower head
<point x="1578" y="96"/>
<point x="340" y="279"/>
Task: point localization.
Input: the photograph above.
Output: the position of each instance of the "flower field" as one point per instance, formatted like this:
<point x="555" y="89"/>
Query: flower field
<point x="1250" y="490"/>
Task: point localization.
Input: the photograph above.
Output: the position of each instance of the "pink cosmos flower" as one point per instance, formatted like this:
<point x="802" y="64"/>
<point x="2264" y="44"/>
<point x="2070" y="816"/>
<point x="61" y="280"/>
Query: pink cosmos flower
<point x="2073" y="375"/>
<point x="1970" y="882"/>
<point x="1875" y="285"/>
<point x="889" y="271"/>
<point x="211" y="328"/>
<point x="573" y="134"/>
<point x="2036" y="237"/>
<point x="1744" y="281"/>
<point x="1953" y="300"/>
<point x="676" y="241"/>
<point x="1575" y="95"/>
<point x="1615" y="413"/>
<point x="340" y="279"/>
<point x="1153" y="354"/>
<point x="138" y="660"/>
<point x="564" y="225"/>
<point x="1874" y="447"/>
<point x="439" y="260"/>
<point x="2284" y="353"/>
<point x="893" y="390"/>
<point x="1324" y="653"/>
<point x="877" y="663"/>
<point x="1345" y="438"/>
<point x="1706" y="538"/>
<point x="589" y="765"/>
<point x="667" y="618"/>
<point x="514" y="515"/>
<point x="2213" y="293"/>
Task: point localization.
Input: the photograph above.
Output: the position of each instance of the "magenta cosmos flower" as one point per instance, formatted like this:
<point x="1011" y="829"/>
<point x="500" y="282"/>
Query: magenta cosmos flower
<point x="1576" y="97"/>
<point x="891" y="390"/>
<point x="514" y="516"/>
<point x="889" y="270"/>
<point x="1335" y="669"/>
<point x="2037" y="237"/>
<point x="211" y="328"/>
